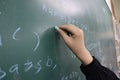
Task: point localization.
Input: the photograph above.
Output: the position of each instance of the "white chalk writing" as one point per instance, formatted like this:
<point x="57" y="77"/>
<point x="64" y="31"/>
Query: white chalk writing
<point x="84" y="27"/>
<point x="54" y="66"/>
<point x="93" y="45"/>
<point x="44" y="7"/>
<point x="50" y="10"/>
<point x="28" y="65"/>
<point x="14" y="68"/>
<point x="70" y="76"/>
<point x="2" y="74"/>
<point x="14" y="34"/>
<point x="38" y="41"/>
<point x="38" y="66"/>
<point x="49" y="62"/>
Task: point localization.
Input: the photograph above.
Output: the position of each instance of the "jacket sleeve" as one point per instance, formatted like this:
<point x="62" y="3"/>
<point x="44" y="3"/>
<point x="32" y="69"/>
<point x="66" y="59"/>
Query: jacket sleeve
<point x="95" y="71"/>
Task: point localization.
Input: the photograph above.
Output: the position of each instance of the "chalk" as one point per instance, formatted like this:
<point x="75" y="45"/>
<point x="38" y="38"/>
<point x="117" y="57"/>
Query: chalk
<point x="56" y="28"/>
<point x="68" y="33"/>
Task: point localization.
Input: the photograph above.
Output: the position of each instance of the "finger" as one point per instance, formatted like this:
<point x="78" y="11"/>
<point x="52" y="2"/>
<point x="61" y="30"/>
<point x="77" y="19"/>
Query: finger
<point x="70" y="28"/>
<point x="64" y="35"/>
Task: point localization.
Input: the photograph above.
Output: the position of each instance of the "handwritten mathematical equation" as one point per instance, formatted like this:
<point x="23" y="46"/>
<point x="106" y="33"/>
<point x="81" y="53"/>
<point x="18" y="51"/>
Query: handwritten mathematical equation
<point x="15" y="38"/>
<point x="53" y="12"/>
<point x="28" y="65"/>
<point x="66" y="19"/>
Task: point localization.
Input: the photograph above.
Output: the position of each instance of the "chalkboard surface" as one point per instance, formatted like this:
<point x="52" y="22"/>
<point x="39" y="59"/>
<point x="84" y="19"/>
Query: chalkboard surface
<point x="30" y="48"/>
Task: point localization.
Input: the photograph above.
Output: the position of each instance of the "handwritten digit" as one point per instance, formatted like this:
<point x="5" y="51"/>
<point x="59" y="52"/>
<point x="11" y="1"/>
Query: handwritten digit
<point x="28" y="66"/>
<point x="38" y="41"/>
<point x="49" y="62"/>
<point x="14" y="68"/>
<point x="14" y="34"/>
<point x="38" y="66"/>
<point x="54" y="67"/>
<point x="75" y="74"/>
<point x="0" y="40"/>
<point x="2" y="74"/>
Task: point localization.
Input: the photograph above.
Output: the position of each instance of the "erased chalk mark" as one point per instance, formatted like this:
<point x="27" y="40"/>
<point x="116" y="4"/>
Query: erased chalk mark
<point x="0" y="40"/>
<point x="38" y="41"/>
<point x="14" y="34"/>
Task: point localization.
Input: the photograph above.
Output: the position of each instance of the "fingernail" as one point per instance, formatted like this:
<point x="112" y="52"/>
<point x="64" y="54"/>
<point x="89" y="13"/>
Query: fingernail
<point x="56" y="28"/>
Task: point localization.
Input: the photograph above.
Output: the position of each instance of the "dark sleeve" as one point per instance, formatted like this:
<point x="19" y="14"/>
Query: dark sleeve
<point x="95" y="71"/>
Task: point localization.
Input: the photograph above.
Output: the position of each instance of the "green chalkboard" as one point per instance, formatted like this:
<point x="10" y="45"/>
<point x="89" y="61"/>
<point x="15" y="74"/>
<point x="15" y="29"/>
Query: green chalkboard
<point x="30" y="48"/>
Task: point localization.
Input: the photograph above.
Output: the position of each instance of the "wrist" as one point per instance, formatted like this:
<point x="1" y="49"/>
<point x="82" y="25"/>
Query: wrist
<point x="85" y="57"/>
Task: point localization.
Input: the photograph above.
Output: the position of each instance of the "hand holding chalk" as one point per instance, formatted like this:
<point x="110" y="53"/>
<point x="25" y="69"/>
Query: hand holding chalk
<point x="75" y="42"/>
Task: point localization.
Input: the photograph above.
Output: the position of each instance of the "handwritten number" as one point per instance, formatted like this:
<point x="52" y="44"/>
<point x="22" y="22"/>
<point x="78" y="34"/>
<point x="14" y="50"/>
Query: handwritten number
<point x="38" y="66"/>
<point x="14" y="68"/>
<point x="49" y="62"/>
<point x="28" y="66"/>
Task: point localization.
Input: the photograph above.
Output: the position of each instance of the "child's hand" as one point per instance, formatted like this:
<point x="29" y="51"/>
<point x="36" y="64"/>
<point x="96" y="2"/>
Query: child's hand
<point x="75" y="41"/>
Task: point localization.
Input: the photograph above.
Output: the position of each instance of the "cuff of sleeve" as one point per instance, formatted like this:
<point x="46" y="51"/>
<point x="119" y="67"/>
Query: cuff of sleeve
<point x="90" y="68"/>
